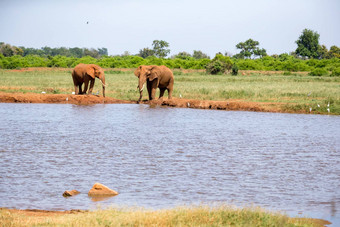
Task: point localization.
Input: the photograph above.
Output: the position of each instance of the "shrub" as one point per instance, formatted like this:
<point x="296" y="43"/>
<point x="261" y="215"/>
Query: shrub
<point x="318" y="72"/>
<point x="336" y="72"/>
<point x="216" y="67"/>
<point x="234" y="70"/>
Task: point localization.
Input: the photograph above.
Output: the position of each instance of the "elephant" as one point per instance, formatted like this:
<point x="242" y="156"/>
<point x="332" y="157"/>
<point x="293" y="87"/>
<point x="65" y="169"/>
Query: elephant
<point x="155" y="77"/>
<point x="83" y="73"/>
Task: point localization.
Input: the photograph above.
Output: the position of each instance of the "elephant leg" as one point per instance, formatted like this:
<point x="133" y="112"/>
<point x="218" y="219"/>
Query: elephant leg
<point x="91" y="86"/>
<point x="162" y="90"/>
<point x="149" y="87"/>
<point x="154" y="86"/>
<point x="170" y="89"/>
<point x="76" y="89"/>
<point x="79" y="90"/>
<point x="86" y="85"/>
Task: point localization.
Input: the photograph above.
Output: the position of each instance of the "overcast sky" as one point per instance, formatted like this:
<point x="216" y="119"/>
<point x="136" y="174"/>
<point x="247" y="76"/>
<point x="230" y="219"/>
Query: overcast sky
<point x="129" y="25"/>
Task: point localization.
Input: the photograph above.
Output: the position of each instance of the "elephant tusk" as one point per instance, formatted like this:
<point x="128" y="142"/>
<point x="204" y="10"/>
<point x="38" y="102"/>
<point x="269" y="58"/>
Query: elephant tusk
<point x="103" y="83"/>
<point x="142" y="87"/>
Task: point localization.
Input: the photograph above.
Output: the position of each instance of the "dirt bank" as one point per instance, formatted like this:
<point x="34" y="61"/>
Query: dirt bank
<point x="175" y="102"/>
<point x="42" y="216"/>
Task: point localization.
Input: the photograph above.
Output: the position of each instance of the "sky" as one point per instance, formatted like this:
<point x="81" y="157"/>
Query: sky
<point x="211" y="26"/>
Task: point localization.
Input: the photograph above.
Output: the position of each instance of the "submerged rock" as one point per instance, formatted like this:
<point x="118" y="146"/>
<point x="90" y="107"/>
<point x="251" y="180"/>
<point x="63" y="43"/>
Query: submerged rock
<point x="101" y="190"/>
<point x="70" y="193"/>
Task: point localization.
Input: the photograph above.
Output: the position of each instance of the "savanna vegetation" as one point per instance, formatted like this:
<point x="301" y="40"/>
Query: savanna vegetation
<point x="309" y="56"/>
<point x="297" y="92"/>
<point x="182" y="216"/>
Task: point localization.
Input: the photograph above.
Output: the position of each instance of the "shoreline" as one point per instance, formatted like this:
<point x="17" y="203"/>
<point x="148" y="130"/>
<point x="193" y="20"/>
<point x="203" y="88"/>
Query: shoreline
<point x="41" y="215"/>
<point x="231" y="105"/>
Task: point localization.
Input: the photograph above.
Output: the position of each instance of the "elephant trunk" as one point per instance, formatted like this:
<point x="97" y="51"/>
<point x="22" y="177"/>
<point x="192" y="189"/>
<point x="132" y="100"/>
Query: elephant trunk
<point x="104" y="85"/>
<point x="141" y="86"/>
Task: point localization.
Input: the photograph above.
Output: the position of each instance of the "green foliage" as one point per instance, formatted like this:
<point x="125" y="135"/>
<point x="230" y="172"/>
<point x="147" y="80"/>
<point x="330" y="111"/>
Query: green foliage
<point x="219" y="65"/>
<point x="318" y="72"/>
<point x="249" y="48"/>
<point x="216" y="67"/>
<point x="234" y="70"/>
<point x="308" y="44"/>
<point x="160" y="48"/>
<point x="146" y="52"/>
<point x="199" y="55"/>
<point x="336" y="72"/>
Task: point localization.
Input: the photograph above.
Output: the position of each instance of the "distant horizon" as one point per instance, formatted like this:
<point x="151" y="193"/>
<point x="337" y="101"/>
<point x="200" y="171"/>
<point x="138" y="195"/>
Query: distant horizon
<point x="187" y="25"/>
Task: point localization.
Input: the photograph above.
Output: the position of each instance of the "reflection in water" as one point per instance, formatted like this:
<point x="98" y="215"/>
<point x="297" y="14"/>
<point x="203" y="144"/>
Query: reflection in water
<point x="164" y="157"/>
<point x="100" y="198"/>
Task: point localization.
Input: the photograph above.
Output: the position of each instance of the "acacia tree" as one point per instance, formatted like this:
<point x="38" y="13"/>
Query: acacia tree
<point x="308" y="44"/>
<point x="249" y="48"/>
<point x="160" y="48"/>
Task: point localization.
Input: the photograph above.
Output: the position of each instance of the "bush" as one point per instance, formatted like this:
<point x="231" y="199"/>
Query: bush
<point x="216" y="67"/>
<point x="234" y="70"/>
<point x="318" y="72"/>
<point x="336" y="72"/>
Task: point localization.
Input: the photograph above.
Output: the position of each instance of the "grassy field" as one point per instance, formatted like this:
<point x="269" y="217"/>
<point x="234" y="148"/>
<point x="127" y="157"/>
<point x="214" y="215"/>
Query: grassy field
<point x="183" y="216"/>
<point x="296" y="91"/>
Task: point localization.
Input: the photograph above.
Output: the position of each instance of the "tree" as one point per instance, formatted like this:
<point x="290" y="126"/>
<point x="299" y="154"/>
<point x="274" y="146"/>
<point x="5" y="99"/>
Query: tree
<point x="183" y="55"/>
<point x="249" y="48"/>
<point x="160" y="48"/>
<point x="308" y="44"/>
<point x="334" y="52"/>
<point x="199" y="55"/>
<point x="103" y="51"/>
<point x="146" y="52"/>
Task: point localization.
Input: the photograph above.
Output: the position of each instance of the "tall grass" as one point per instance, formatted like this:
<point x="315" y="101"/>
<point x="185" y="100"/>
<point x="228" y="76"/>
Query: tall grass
<point x="294" y="91"/>
<point x="182" y="216"/>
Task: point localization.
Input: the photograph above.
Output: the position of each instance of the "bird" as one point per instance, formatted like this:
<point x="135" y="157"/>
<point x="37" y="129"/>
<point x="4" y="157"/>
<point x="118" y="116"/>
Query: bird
<point x="67" y="99"/>
<point x="328" y="104"/>
<point x="309" y="93"/>
<point x="87" y="22"/>
<point x="318" y="105"/>
<point x="188" y="104"/>
<point x="328" y="110"/>
<point x="310" y="109"/>
<point x="180" y="95"/>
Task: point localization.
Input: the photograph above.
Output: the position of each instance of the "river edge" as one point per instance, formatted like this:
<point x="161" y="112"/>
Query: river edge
<point x="45" y="215"/>
<point x="232" y="104"/>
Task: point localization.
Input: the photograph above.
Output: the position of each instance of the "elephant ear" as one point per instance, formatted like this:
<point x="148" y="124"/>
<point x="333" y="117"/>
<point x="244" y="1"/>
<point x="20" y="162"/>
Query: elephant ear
<point x="90" y="71"/>
<point x="137" y="71"/>
<point x="155" y="73"/>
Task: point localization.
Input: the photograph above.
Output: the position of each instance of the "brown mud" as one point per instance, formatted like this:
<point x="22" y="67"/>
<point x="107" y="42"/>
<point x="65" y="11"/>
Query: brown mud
<point x="240" y="105"/>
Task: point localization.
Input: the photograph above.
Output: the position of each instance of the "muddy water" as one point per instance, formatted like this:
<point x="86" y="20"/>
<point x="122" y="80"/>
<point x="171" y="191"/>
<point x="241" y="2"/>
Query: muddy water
<point x="165" y="157"/>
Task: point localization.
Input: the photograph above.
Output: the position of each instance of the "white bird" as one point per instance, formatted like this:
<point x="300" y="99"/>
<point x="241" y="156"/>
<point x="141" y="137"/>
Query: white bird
<point x="318" y="105"/>
<point x="328" y="105"/>
<point x="43" y="92"/>
<point x="73" y="93"/>
<point x="67" y="99"/>
<point x="310" y="109"/>
<point x="328" y="110"/>
<point x="180" y="95"/>
<point x="309" y="93"/>
<point x="188" y="104"/>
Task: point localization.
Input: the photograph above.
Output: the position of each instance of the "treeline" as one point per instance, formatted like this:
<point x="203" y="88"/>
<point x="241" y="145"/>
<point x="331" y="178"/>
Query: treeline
<point x="283" y="62"/>
<point x="7" y="50"/>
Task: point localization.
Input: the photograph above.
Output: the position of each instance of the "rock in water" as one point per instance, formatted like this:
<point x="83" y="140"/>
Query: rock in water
<point x="70" y="193"/>
<point x="101" y="190"/>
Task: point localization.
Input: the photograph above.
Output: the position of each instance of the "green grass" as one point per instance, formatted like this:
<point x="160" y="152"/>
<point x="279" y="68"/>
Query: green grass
<point x="182" y="216"/>
<point x="296" y="92"/>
